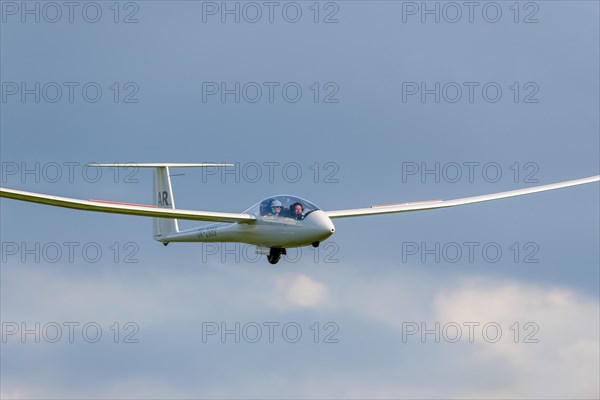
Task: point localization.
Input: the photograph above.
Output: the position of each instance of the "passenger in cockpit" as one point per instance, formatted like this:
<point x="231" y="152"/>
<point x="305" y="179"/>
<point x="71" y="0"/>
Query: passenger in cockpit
<point x="265" y="207"/>
<point x="276" y="208"/>
<point x="297" y="210"/>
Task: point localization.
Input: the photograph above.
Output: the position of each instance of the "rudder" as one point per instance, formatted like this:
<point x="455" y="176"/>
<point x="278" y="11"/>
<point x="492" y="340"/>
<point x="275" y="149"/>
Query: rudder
<point x="163" y="198"/>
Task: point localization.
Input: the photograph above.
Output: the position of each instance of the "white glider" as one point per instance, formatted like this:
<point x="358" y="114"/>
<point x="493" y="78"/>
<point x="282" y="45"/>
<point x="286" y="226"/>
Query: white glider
<point x="273" y="224"/>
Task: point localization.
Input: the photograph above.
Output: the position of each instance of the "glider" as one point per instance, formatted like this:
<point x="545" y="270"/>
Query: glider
<point x="272" y="225"/>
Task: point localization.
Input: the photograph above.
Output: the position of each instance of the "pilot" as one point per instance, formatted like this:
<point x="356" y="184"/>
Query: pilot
<point x="297" y="211"/>
<point x="276" y="208"/>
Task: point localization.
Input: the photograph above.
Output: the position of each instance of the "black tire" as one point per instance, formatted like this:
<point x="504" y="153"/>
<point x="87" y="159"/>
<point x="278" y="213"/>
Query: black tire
<point x="275" y="255"/>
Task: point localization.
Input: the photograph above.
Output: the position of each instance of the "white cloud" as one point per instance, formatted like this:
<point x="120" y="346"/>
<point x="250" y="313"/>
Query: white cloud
<point x="298" y="291"/>
<point x="564" y="362"/>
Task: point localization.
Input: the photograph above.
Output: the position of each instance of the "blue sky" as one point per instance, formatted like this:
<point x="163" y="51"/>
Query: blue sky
<point x="361" y="141"/>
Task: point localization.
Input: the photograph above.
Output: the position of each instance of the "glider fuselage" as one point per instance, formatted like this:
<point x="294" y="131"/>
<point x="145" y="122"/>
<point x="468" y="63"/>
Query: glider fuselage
<point x="265" y="231"/>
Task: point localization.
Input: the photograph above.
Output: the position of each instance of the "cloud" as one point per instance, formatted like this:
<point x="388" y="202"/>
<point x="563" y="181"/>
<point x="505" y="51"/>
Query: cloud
<point x="563" y="363"/>
<point x="565" y="360"/>
<point x="369" y="361"/>
<point x="298" y="291"/>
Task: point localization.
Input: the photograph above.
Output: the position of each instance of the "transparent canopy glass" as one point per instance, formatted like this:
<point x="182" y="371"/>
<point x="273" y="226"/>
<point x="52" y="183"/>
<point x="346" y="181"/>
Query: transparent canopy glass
<point x="284" y="206"/>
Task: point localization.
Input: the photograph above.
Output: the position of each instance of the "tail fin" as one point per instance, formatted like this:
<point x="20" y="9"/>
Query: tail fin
<point x="163" y="191"/>
<point x="163" y="198"/>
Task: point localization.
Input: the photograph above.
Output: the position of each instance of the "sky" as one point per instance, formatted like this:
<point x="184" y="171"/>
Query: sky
<point x="347" y="104"/>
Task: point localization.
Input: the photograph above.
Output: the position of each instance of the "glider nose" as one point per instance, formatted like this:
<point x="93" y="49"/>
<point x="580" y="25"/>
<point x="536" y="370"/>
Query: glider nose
<point x="321" y="224"/>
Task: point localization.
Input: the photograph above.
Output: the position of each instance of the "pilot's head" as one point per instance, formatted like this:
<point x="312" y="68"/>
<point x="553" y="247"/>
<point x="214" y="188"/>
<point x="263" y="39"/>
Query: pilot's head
<point x="276" y="207"/>
<point x="297" y="210"/>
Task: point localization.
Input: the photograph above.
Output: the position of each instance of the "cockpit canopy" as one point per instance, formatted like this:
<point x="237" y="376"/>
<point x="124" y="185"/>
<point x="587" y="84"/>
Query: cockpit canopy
<point x="283" y="206"/>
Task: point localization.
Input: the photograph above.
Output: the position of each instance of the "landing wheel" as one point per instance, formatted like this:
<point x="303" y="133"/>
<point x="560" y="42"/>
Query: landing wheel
<point x="273" y="259"/>
<point x="274" y="255"/>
